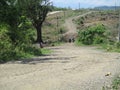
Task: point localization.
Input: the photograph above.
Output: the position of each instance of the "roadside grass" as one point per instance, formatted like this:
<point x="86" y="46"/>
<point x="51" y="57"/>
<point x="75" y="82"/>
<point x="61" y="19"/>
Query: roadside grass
<point x="29" y="52"/>
<point x="116" y="83"/>
<point x="57" y="43"/>
<point x="103" y="46"/>
<point x="78" y="43"/>
<point x="109" y="47"/>
<point x="45" y="51"/>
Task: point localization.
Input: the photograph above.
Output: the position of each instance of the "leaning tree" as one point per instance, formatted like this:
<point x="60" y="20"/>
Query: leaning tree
<point x="36" y="11"/>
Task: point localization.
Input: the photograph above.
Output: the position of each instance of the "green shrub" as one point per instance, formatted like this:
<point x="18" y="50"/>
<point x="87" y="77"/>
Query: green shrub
<point x="98" y="40"/>
<point x="20" y="47"/>
<point x="5" y="42"/>
<point x="117" y="45"/>
<point x="92" y="35"/>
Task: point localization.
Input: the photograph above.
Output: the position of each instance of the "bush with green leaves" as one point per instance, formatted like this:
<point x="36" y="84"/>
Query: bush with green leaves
<point x="20" y="47"/>
<point x="80" y="21"/>
<point x="117" y="45"/>
<point x="5" y="42"/>
<point x="92" y="35"/>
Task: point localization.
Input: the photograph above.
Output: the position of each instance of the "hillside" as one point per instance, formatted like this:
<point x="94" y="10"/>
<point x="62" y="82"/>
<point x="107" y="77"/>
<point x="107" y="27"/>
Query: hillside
<point x="107" y="7"/>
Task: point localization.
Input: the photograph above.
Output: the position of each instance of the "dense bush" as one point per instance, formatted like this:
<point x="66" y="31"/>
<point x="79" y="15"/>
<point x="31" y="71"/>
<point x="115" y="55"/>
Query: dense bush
<point x="117" y="45"/>
<point x="20" y="47"/>
<point x="92" y="35"/>
<point x="5" y="42"/>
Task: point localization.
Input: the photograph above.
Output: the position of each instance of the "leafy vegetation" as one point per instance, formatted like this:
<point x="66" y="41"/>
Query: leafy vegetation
<point x="37" y="12"/>
<point x="92" y="35"/>
<point x="20" y="48"/>
<point x="97" y="35"/>
<point x="104" y="35"/>
<point x="116" y="84"/>
<point x="17" y="33"/>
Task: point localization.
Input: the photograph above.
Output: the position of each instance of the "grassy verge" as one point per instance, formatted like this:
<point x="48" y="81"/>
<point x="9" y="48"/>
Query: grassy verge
<point x="114" y="86"/>
<point x="107" y="47"/>
<point x="45" y="51"/>
<point x="116" y="83"/>
<point x="18" y="54"/>
<point x="111" y="47"/>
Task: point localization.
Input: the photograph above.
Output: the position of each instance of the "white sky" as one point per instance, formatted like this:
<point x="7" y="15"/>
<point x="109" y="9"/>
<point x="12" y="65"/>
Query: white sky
<point x="85" y="3"/>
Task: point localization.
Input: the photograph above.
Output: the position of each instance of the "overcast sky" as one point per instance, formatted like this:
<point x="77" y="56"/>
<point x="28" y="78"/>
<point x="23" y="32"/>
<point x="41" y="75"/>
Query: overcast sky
<point x="85" y="3"/>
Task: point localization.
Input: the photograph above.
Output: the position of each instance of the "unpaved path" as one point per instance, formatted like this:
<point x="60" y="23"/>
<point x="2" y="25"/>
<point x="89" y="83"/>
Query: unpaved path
<point x="67" y="68"/>
<point x="71" y="26"/>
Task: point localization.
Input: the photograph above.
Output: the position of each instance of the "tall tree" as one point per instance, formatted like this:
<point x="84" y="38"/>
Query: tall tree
<point x="8" y="12"/>
<point x="36" y="11"/>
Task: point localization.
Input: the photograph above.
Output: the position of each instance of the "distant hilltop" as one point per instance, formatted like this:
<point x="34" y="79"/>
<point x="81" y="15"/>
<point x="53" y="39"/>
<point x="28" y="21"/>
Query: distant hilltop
<point x="107" y="7"/>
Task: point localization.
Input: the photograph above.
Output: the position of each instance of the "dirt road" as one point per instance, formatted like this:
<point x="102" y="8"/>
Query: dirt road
<point x="71" y="26"/>
<point x="67" y="68"/>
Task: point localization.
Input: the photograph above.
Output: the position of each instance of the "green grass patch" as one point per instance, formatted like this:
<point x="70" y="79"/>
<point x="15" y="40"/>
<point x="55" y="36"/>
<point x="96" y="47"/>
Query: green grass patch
<point x="78" y="43"/>
<point x="116" y="84"/>
<point x="45" y="51"/>
<point x="110" y="47"/>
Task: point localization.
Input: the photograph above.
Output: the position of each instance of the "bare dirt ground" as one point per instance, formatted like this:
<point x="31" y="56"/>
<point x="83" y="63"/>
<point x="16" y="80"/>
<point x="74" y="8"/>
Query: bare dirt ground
<point x="68" y="67"/>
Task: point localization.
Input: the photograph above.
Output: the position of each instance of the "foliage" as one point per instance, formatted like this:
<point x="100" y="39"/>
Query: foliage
<point x="92" y="35"/>
<point x="36" y="11"/>
<point x="22" y="48"/>
<point x="116" y="84"/>
<point x="45" y="51"/>
<point x="9" y="12"/>
<point x="17" y="33"/>
<point x="117" y="45"/>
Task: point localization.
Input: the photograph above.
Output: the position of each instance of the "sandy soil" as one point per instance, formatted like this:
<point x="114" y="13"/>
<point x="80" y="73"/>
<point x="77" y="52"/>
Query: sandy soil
<point x="67" y="68"/>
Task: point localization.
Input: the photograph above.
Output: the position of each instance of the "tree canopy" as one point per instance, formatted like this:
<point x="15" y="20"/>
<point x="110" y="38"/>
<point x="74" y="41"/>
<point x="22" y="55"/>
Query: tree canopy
<point x="36" y="11"/>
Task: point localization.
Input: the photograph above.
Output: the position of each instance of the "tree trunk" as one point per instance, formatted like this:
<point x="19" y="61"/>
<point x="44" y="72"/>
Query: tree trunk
<point x="39" y="36"/>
